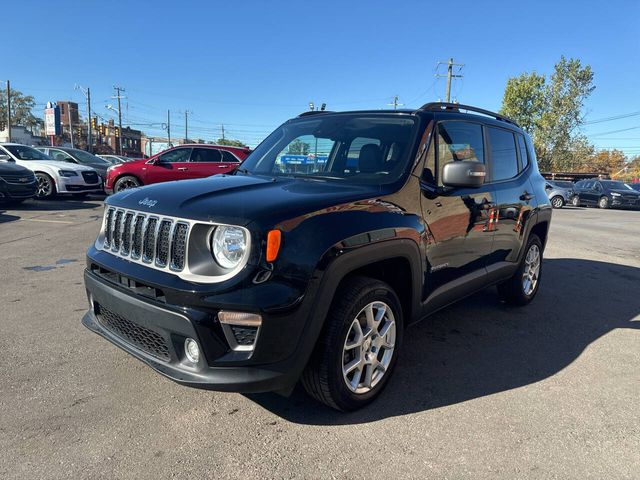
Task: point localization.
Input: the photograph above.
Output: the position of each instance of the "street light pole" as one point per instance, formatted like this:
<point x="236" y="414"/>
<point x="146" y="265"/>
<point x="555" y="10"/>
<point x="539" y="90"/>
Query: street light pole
<point x="9" y="110"/>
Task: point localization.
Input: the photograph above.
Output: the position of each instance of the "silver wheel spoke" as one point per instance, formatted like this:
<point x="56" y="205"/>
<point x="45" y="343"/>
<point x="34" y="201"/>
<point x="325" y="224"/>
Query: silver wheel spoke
<point x="368" y="377"/>
<point x="351" y="366"/>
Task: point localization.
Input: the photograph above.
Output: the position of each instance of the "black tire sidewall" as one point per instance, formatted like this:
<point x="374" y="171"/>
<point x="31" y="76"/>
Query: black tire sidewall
<point x="116" y="188"/>
<point x="343" y="396"/>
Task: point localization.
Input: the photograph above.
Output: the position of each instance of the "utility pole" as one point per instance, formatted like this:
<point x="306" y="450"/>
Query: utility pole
<point x="70" y="125"/>
<point x="186" y="126"/>
<point x="450" y="75"/>
<point x="169" y="128"/>
<point x="222" y="126"/>
<point x="118" y="96"/>
<point x="395" y="103"/>
<point x="9" y="110"/>
<point x="87" y="94"/>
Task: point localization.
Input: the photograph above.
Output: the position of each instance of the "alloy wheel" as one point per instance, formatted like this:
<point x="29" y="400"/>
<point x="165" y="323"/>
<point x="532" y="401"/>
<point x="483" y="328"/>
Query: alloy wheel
<point x="45" y="187"/>
<point x="126" y="184"/>
<point x="557" y="202"/>
<point x="531" y="272"/>
<point x="369" y="347"/>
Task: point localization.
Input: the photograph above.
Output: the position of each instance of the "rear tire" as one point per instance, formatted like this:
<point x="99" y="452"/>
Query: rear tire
<point x="358" y="347"/>
<point x="603" y="202"/>
<point x="46" y="186"/>
<point x="522" y="287"/>
<point x="126" y="182"/>
<point x="557" y="202"/>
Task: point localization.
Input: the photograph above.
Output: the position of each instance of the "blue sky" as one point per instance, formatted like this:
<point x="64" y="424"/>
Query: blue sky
<point x="252" y="65"/>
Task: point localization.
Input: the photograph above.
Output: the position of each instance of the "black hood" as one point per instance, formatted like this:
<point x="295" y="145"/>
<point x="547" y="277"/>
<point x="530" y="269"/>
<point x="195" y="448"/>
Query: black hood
<point x="624" y="192"/>
<point x="13" y="168"/>
<point x="241" y="199"/>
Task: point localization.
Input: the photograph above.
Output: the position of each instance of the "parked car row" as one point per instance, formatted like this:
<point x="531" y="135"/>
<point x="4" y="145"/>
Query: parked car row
<point x="50" y="171"/>
<point x="593" y="192"/>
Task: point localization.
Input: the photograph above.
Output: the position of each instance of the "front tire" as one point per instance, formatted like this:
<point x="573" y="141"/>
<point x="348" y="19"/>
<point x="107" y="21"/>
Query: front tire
<point x="603" y="202"/>
<point x="358" y="347"/>
<point x="557" y="202"/>
<point x="522" y="287"/>
<point x="575" y="201"/>
<point x="126" y="182"/>
<point x="46" y="186"/>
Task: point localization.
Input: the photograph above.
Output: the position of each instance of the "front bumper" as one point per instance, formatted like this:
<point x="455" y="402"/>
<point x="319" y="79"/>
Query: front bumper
<point x="17" y="191"/>
<point x="623" y="202"/>
<point x="159" y="332"/>
<point x="77" y="185"/>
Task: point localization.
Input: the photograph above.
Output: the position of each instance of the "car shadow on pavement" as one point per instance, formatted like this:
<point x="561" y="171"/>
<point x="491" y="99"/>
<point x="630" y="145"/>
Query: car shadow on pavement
<point x="480" y="346"/>
<point x="6" y="217"/>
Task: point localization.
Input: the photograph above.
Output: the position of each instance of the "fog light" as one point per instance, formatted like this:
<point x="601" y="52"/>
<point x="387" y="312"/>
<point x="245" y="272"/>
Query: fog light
<point x="191" y="350"/>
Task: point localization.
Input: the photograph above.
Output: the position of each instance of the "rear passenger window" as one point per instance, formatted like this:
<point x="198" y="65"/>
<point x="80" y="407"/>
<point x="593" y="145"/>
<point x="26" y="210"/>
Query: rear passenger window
<point x="206" y="155"/>
<point x="504" y="160"/>
<point x="228" y="157"/>
<point x="459" y="141"/>
<point x="524" y="156"/>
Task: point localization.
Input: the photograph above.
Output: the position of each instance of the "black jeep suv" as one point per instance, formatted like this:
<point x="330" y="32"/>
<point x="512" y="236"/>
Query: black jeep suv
<point x="311" y="259"/>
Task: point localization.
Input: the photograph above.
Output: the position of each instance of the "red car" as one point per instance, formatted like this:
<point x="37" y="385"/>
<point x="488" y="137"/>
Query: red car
<point x="178" y="163"/>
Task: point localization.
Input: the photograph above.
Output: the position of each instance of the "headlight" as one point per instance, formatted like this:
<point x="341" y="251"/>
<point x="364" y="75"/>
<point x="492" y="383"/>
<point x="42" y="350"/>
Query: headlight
<point x="229" y="245"/>
<point x="67" y="173"/>
<point x="614" y="194"/>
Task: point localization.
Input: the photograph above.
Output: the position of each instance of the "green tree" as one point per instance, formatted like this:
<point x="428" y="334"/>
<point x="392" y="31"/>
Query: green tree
<point x="21" y="109"/>
<point x="524" y="100"/>
<point x="229" y="142"/>
<point x="298" y="147"/>
<point x="551" y="111"/>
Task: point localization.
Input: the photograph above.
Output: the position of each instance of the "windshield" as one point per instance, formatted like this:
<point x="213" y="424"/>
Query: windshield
<point x="86" y="157"/>
<point x="616" y="185"/>
<point x="22" y="152"/>
<point x="359" y="148"/>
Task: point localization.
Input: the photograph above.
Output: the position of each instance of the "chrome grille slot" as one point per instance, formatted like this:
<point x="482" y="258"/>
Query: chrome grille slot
<point x="179" y="246"/>
<point x="162" y="244"/>
<point x="136" y="242"/>
<point x="108" y="225"/>
<point x="117" y="231"/>
<point x="149" y="239"/>
<point x="126" y="234"/>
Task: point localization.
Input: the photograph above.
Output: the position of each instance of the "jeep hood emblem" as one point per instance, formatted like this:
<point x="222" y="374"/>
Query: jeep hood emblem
<point x="147" y="202"/>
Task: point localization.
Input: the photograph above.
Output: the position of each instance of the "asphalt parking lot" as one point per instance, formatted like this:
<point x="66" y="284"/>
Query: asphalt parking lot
<point x="481" y="390"/>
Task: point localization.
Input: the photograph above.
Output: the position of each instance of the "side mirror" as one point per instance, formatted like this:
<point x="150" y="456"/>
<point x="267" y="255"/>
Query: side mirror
<point x="465" y="173"/>
<point x="548" y="187"/>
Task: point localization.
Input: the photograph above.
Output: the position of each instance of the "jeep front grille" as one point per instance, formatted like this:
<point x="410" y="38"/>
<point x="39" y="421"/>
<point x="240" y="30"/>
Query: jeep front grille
<point x="140" y="236"/>
<point x="178" y="246"/>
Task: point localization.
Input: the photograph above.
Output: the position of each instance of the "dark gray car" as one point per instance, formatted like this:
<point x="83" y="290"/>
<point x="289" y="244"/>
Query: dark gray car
<point x="75" y="155"/>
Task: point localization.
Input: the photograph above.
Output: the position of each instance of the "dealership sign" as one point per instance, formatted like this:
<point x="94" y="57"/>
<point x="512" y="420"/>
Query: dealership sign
<point x="52" y="119"/>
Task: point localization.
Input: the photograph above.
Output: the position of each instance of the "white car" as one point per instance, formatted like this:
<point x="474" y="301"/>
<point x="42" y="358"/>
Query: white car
<point x="54" y="177"/>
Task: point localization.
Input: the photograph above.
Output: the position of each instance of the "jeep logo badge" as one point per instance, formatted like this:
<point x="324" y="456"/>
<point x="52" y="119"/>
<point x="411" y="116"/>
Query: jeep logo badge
<point x="147" y="202"/>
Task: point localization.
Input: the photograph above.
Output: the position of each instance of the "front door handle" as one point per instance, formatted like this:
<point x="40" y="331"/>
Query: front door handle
<point x="182" y="169"/>
<point x="223" y="166"/>
<point x="526" y="196"/>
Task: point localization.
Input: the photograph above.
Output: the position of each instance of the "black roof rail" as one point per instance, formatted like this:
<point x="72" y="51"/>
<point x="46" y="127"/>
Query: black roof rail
<point x="456" y="107"/>
<point x="313" y="112"/>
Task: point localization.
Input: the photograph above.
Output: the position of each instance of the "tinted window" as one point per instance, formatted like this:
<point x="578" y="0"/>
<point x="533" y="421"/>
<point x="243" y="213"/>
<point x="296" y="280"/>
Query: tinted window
<point x="22" y="152"/>
<point x="228" y="156"/>
<point x="524" y="156"/>
<point x="206" y="155"/>
<point x="459" y="141"/>
<point x="59" y="155"/>
<point x="175" y="156"/>
<point x="504" y="160"/>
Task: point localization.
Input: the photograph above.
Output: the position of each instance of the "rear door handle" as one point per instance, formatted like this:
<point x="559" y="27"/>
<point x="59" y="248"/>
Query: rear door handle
<point x="182" y="169"/>
<point x="526" y="196"/>
<point x="223" y="166"/>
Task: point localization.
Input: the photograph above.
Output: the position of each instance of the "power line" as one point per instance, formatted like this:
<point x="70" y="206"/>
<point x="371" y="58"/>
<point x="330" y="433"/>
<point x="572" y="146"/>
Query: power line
<point x="609" y="119"/>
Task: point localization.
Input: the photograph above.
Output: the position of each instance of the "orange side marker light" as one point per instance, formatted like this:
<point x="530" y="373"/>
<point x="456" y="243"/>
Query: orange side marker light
<point x="273" y="244"/>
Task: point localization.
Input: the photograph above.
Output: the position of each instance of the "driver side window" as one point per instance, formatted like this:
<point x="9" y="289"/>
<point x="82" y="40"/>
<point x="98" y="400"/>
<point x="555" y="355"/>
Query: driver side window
<point x="458" y="141"/>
